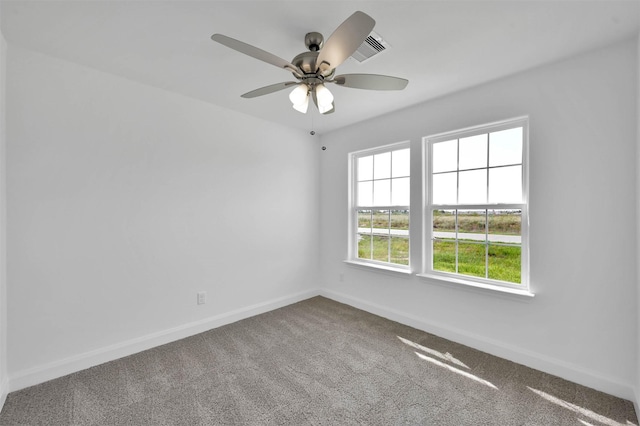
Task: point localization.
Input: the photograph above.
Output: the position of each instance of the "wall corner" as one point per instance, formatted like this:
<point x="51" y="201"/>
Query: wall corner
<point x="3" y="197"/>
<point x="637" y="194"/>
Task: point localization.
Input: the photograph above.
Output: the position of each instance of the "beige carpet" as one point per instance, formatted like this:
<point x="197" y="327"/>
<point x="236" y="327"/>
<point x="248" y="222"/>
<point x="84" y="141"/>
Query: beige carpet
<point x="317" y="362"/>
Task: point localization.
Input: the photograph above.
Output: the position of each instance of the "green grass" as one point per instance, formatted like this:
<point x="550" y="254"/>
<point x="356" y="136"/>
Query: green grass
<point x="504" y="261"/>
<point x="382" y="219"/>
<point x="385" y="249"/>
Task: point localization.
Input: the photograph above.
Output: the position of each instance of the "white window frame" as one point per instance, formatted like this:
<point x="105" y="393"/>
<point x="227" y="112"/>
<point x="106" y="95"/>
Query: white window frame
<point x="353" y="210"/>
<point x="427" y="247"/>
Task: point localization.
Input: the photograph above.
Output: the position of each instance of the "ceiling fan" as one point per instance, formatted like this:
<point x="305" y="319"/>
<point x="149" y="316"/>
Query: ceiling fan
<point x="315" y="68"/>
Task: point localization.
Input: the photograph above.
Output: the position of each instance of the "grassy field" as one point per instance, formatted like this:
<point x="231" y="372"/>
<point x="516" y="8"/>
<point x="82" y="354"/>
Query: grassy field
<point x="382" y="219"/>
<point x="505" y="223"/>
<point x="503" y="261"/>
<point x="385" y="249"/>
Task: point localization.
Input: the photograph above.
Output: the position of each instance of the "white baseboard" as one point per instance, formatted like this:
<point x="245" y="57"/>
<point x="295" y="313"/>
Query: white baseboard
<point x="55" y="369"/>
<point x="636" y="401"/>
<point x="518" y="355"/>
<point x="4" y="391"/>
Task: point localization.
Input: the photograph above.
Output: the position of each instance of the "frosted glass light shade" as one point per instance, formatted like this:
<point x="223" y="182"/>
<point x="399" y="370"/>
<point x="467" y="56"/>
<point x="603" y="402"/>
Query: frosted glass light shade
<point x="300" y="98"/>
<point x="324" y="96"/>
<point x="303" y="106"/>
<point x="324" y="108"/>
<point x="299" y="94"/>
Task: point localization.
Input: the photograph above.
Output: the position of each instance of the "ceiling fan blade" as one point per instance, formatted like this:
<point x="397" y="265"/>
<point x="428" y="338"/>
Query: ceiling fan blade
<point x="255" y="52"/>
<point x="371" y="81"/>
<point x="315" y="101"/>
<point x="269" y="89"/>
<point x="345" y="40"/>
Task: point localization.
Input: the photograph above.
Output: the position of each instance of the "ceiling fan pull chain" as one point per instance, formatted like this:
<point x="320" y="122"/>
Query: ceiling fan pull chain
<point x="312" y="132"/>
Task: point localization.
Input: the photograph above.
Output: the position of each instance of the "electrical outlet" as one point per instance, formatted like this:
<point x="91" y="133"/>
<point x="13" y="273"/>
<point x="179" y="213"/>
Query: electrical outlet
<point x="202" y="297"/>
<point x="341" y="278"/>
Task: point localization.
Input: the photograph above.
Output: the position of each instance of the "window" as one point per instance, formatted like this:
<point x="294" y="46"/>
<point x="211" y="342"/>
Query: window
<point x="379" y="213"/>
<point x="476" y="205"/>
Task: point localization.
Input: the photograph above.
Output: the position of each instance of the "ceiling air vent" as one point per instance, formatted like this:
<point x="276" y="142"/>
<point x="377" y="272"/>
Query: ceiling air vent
<point x="372" y="45"/>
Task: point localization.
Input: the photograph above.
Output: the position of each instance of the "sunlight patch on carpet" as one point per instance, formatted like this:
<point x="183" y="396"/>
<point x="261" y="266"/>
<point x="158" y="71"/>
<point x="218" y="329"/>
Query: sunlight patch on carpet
<point x="456" y="370"/>
<point x="447" y="357"/>
<point x="577" y="409"/>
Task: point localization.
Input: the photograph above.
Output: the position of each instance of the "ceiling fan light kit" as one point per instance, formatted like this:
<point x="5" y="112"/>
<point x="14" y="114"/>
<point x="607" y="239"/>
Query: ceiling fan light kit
<point x="325" y="98"/>
<point x="316" y="67"/>
<point x="299" y="97"/>
<point x="299" y="94"/>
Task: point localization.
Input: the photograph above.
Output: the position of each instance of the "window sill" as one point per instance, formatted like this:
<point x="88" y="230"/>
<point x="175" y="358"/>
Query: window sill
<point x="480" y="286"/>
<point x="379" y="267"/>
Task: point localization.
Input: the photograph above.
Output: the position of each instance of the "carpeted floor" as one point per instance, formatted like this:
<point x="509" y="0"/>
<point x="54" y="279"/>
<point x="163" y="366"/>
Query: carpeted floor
<point x="317" y="362"/>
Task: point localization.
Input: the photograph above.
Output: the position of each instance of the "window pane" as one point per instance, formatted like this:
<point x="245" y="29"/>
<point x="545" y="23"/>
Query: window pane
<point x="380" y="222"/>
<point x="381" y="234"/>
<point x="468" y="177"/>
<point x="505" y="184"/>
<point x="505" y="147"/>
<point x="399" y="223"/>
<point x="472" y="188"/>
<point x="445" y="156"/>
<point x="364" y="221"/>
<point x="365" y="168"/>
<point x="364" y="246"/>
<point x="400" y="189"/>
<point x="381" y="248"/>
<point x="472" y="259"/>
<point x="472" y="225"/>
<point x="444" y="255"/>
<point x="400" y="250"/>
<point x="365" y="193"/>
<point x="400" y="163"/>
<point x="505" y="226"/>
<point x="444" y="188"/>
<point x="382" y="192"/>
<point x="444" y="223"/>
<point x="382" y="166"/>
<point x="505" y="263"/>
<point x="473" y="152"/>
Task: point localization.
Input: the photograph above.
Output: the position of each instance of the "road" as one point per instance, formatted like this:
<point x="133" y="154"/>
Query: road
<point x="494" y="238"/>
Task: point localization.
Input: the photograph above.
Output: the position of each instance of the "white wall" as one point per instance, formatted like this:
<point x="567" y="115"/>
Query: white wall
<point x="125" y="200"/>
<point x="582" y="323"/>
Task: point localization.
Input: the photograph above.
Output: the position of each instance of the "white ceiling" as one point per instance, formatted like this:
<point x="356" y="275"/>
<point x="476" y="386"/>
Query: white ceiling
<point x="439" y="46"/>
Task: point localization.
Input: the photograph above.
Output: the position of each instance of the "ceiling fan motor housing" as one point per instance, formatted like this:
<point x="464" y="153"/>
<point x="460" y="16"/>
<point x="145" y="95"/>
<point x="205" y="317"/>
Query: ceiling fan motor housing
<point x="306" y="61"/>
<point x="313" y="41"/>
